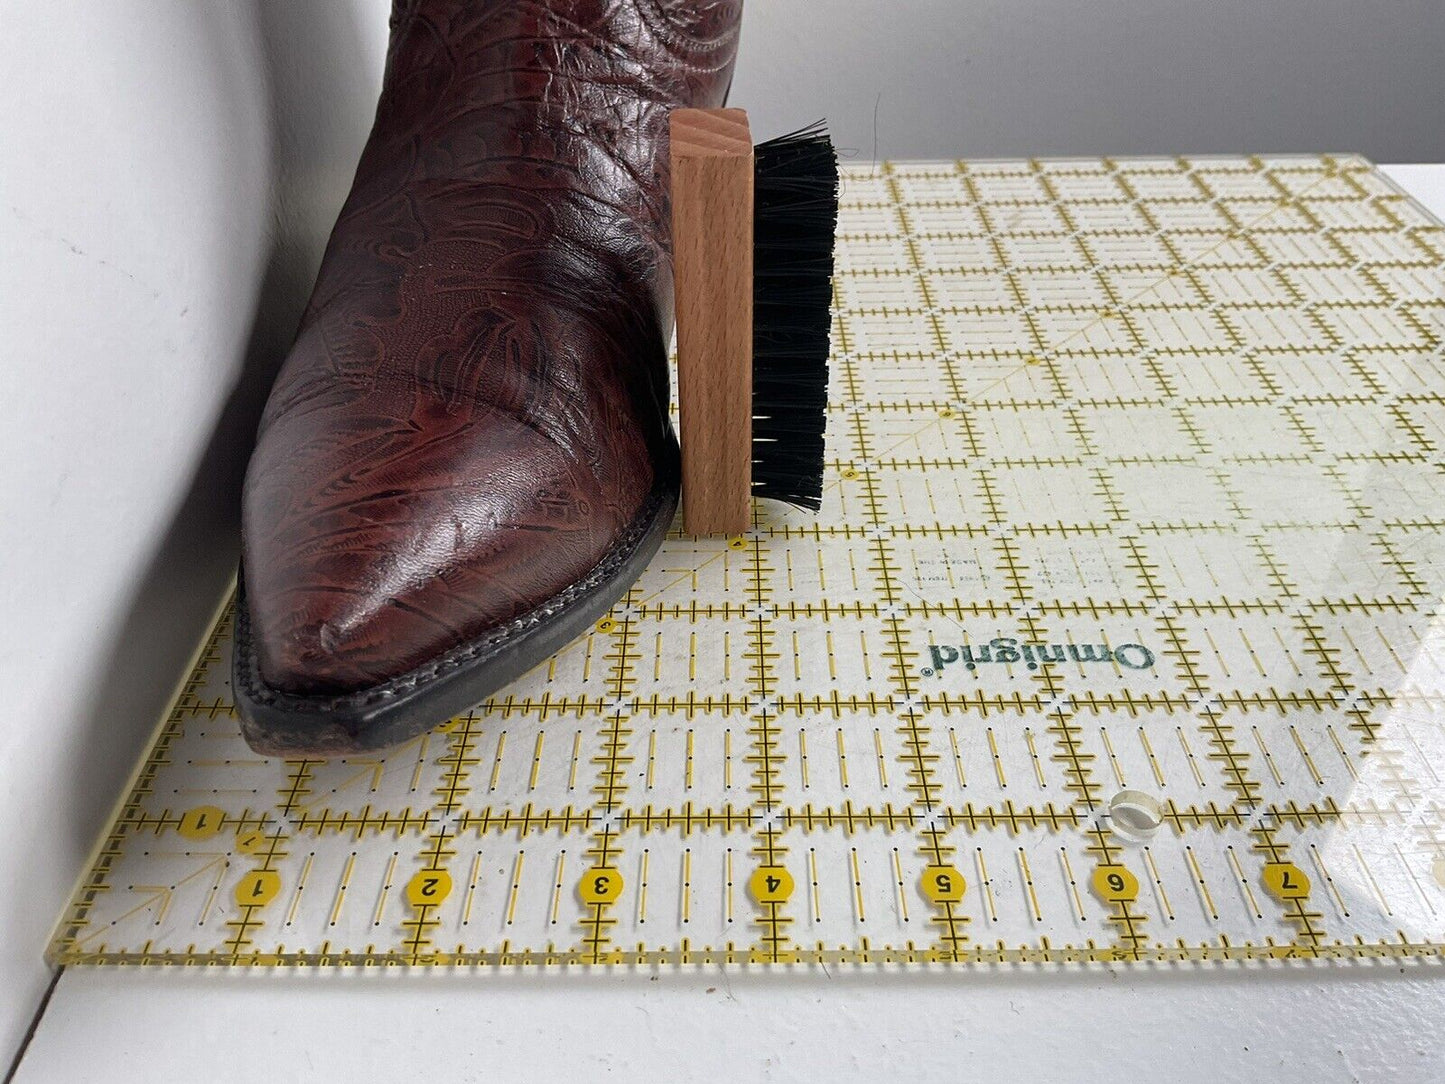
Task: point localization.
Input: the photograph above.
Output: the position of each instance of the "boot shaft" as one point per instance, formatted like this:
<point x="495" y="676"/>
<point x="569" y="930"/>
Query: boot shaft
<point x="558" y="56"/>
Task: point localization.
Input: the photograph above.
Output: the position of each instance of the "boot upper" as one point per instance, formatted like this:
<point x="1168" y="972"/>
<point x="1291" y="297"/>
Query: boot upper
<point x="475" y="407"/>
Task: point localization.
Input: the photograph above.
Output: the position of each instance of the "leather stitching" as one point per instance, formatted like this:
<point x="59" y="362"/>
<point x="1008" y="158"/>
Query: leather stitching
<point x="676" y="34"/>
<point x="256" y="689"/>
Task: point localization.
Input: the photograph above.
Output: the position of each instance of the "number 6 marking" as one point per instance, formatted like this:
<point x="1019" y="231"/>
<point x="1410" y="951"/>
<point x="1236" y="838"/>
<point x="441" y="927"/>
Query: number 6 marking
<point x="1114" y="884"/>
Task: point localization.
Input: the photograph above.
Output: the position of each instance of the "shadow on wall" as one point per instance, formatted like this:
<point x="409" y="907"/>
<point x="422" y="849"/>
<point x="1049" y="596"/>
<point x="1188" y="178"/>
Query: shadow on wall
<point x="322" y="71"/>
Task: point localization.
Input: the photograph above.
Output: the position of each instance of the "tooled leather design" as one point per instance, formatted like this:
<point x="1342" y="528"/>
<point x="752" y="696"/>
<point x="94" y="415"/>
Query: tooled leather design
<point x="475" y="406"/>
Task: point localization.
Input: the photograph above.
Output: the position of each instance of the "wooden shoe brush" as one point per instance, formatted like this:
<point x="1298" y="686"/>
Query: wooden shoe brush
<point x="752" y="234"/>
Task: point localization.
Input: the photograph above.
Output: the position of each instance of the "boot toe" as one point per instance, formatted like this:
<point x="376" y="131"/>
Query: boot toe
<point x="362" y="563"/>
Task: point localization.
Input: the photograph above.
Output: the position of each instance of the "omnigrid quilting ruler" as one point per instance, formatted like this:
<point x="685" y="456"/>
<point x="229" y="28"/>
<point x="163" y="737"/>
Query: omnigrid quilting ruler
<point x="1116" y="639"/>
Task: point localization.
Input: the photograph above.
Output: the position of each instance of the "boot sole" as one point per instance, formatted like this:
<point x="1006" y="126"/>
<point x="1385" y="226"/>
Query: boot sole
<point x="278" y="723"/>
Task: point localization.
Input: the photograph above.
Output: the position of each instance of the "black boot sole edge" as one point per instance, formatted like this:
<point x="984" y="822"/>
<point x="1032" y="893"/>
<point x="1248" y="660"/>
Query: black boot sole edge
<point x="278" y="723"/>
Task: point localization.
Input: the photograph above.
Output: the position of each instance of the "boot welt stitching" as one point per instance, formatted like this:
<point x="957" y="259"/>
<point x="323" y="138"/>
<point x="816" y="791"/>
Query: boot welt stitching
<point x="454" y="658"/>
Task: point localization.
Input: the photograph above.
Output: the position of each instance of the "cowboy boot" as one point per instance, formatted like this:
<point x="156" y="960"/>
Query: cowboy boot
<point x="466" y="458"/>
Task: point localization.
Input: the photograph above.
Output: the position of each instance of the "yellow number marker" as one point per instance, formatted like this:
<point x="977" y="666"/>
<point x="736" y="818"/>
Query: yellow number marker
<point x="770" y="884"/>
<point x="202" y="822"/>
<point x="1115" y="884"/>
<point x="943" y="884"/>
<point x="1285" y="881"/>
<point x="258" y="888"/>
<point x="600" y="885"/>
<point x="429" y="887"/>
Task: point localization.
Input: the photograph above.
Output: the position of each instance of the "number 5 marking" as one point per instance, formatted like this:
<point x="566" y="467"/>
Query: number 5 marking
<point x="943" y="884"/>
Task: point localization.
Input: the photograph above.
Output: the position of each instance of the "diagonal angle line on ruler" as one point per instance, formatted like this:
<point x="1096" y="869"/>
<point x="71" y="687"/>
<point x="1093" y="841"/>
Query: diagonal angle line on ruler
<point x="1115" y="640"/>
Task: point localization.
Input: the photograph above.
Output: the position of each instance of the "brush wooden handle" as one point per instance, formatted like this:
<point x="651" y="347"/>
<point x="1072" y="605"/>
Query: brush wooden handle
<point x="712" y="255"/>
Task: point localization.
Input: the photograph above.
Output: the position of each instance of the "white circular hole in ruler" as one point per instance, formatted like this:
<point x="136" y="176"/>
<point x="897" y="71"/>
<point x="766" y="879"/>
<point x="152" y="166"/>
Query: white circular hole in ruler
<point x="1135" y="816"/>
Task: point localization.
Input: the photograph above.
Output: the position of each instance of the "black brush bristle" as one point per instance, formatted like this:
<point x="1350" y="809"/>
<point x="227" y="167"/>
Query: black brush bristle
<point x="795" y="215"/>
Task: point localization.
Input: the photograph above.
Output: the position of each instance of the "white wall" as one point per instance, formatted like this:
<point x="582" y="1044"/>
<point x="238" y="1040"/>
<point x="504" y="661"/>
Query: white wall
<point x="168" y="173"/>
<point x="169" y="169"/>
<point x="981" y="78"/>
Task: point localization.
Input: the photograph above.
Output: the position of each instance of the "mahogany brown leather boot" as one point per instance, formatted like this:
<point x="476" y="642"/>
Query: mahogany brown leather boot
<point x="466" y="458"/>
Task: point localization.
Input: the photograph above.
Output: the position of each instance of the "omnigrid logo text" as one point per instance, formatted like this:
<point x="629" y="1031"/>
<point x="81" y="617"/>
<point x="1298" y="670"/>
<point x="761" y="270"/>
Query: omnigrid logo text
<point x="1007" y="650"/>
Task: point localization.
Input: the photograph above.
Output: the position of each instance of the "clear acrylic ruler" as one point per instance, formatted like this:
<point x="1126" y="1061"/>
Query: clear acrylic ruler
<point x="1116" y="639"/>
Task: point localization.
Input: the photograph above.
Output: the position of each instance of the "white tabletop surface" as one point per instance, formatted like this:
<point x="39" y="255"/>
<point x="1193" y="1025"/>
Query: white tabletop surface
<point x="1291" y="1022"/>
